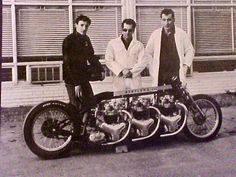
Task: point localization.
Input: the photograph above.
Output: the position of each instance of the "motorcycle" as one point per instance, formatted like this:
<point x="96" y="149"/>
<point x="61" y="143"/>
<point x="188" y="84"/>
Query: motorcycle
<point x="51" y="127"/>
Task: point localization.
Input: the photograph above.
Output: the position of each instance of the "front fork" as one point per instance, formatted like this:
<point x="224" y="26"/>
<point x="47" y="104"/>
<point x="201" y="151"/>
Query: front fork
<point x="191" y="104"/>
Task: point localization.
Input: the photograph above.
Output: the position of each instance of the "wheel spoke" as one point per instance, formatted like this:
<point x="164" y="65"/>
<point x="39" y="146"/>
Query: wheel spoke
<point x="203" y="128"/>
<point x="211" y="123"/>
<point x="52" y="129"/>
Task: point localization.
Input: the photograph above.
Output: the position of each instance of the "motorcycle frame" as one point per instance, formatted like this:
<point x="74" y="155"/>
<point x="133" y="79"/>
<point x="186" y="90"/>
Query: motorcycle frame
<point x="147" y="91"/>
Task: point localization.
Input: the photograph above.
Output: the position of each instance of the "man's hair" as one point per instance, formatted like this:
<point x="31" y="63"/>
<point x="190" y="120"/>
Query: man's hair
<point x="128" y="21"/>
<point x="83" y="18"/>
<point x="167" y="12"/>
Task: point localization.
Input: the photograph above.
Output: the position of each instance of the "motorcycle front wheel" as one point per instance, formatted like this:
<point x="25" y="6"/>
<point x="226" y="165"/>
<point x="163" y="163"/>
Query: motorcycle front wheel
<point x="205" y="124"/>
<point x="48" y="130"/>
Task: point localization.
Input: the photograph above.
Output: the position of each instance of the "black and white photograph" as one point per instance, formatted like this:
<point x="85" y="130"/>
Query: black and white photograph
<point x="118" y="88"/>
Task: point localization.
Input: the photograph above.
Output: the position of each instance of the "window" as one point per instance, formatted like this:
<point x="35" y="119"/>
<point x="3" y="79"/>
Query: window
<point x="21" y="73"/>
<point x="211" y="1"/>
<point x="161" y="2"/>
<point x="41" y="30"/>
<point x="6" y="74"/>
<point x="6" y="34"/>
<point x="148" y="20"/>
<point x="212" y="30"/>
<point x="97" y="1"/>
<point x="6" y="1"/>
<point x="42" y="0"/>
<point x="47" y="74"/>
<point x="106" y="25"/>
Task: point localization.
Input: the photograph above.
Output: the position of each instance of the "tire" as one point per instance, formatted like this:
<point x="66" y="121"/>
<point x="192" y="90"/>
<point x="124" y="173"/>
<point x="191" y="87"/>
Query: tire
<point x="195" y="127"/>
<point x="53" y="124"/>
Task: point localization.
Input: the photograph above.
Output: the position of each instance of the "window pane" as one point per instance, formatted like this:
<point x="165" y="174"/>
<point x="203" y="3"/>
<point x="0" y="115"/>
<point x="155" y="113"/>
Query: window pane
<point x="106" y="25"/>
<point x="160" y="1"/>
<point x="7" y="59"/>
<point x="6" y="74"/>
<point x="42" y="74"/>
<point x="41" y="0"/>
<point x="21" y="73"/>
<point x="35" y="74"/>
<point x="56" y="72"/>
<point x="49" y="74"/>
<point x="41" y="30"/>
<point x="212" y="30"/>
<point x="213" y="66"/>
<point x="97" y="1"/>
<point x="148" y="20"/>
<point x="5" y="1"/>
<point x="211" y="1"/>
<point x="45" y="74"/>
<point x="6" y="32"/>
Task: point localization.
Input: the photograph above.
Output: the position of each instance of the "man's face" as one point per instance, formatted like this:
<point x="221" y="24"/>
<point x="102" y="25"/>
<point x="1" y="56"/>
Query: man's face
<point x="82" y="27"/>
<point x="167" y="21"/>
<point x="127" y="31"/>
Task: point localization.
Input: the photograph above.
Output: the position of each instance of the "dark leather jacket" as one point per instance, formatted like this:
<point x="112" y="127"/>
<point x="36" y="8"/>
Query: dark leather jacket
<point x="77" y="50"/>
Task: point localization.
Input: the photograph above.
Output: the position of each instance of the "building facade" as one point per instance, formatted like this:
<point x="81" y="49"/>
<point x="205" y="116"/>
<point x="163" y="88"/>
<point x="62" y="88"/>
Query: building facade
<point x="33" y="31"/>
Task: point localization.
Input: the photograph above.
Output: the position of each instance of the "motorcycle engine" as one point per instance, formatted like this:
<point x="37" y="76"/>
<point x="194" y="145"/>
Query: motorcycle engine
<point x="166" y="104"/>
<point x="171" y="117"/>
<point x="141" y="115"/>
<point x="110" y="118"/>
<point x="140" y="106"/>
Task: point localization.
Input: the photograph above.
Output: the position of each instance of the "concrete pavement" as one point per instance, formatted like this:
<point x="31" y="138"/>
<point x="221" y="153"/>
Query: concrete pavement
<point x="167" y="157"/>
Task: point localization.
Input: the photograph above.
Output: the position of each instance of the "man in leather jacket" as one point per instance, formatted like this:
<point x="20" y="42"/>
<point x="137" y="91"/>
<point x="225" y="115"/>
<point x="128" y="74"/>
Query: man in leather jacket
<point x="77" y="53"/>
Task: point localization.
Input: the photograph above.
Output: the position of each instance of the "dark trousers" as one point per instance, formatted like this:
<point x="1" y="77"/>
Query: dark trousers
<point x="166" y="78"/>
<point x="86" y="101"/>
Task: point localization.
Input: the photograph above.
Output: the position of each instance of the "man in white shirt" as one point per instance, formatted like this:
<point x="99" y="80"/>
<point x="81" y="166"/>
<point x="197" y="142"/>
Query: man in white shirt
<point x="124" y="57"/>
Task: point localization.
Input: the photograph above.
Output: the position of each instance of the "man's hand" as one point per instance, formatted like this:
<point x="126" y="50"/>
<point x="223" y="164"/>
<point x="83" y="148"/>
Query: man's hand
<point x="78" y="91"/>
<point x="128" y="75"/>
<point x="125" y="71"/>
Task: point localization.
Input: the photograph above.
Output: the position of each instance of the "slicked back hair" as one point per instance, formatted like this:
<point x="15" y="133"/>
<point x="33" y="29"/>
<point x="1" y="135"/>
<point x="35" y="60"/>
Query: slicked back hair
<point x="129" y="21"/>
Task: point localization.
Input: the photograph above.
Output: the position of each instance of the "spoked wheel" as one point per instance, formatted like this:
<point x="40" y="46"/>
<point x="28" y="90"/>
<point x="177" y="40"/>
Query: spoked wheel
<point x="203" y="125"/>
<point x="48" y="130"/>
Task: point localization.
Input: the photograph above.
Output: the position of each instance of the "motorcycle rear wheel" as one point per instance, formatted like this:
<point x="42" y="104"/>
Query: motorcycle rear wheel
<point x="48" y="130"/>
<point x="207" y="127"/>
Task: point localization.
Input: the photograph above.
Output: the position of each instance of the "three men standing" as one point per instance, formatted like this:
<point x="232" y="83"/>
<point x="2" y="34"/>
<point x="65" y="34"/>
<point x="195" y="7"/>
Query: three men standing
<point x="168" y="53"/>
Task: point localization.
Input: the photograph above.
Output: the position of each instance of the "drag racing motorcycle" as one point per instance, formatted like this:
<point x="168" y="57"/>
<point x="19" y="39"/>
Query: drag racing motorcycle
<point x="124" y="117"/>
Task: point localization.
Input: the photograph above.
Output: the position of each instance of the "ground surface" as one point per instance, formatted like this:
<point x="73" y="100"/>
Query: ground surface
<point x="167" y="157"/>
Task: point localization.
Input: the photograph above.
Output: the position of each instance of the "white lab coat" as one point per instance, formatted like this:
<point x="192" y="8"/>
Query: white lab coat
<point x="184" y="49"/>
<point x="118" y="58"/>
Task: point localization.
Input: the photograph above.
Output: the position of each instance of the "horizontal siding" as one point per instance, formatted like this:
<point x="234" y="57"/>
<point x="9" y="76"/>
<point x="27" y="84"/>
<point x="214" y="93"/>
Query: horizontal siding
<point x="26" y="94"/>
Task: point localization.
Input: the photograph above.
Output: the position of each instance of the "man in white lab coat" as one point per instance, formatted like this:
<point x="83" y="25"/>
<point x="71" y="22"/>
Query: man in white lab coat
<point x="169" y="51"/>
<point x="124" y="57"/>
